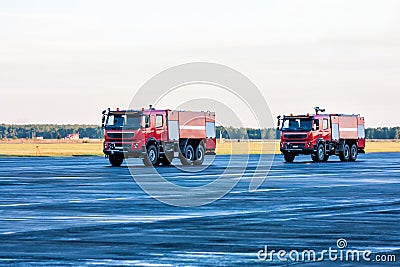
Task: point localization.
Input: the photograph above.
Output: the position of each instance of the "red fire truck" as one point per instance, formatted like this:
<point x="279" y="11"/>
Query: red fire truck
<point x="158" y="136"/>
<point x="322" y="135"/>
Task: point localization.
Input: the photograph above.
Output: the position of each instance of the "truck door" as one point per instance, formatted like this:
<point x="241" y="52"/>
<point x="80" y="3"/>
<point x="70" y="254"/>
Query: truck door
<point x="146" y="126"/>
<point x="317" y="129"/>
<point x="326" y="131"/>
<point x="159" y="128"/>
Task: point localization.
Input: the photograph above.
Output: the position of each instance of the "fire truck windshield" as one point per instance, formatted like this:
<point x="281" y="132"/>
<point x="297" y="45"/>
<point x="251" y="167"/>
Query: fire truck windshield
<point x="122" y="121"/>
<point x="297" y="125"/>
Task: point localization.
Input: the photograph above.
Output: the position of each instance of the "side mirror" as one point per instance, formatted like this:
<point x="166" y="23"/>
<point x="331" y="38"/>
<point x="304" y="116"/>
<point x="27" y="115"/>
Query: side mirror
<point x="315" y="125"/>
<point x="279" y="123"/>
<point x="103" y="118"/>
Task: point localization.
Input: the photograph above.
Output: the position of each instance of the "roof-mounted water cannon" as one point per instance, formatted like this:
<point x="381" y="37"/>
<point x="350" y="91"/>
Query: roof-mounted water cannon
<point x="317" y="109"/>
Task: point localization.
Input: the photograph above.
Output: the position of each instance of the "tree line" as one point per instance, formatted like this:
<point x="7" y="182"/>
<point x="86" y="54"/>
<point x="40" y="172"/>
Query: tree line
<point x="54" y="131"/>
<point x="49" y="131"/>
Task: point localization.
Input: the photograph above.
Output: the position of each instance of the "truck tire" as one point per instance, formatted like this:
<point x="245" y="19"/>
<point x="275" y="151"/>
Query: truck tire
<point x="320" y="152"/>
<point x="116" y="160"/>
<point x="187" y="156"/>
<point x="289" y="157"/>
<point x="353" y="152"/>
<point x="199" y="154"/>
<point x="151" y="158"/>
<point x="345" y="154"/>
<point x="326" y="158"/>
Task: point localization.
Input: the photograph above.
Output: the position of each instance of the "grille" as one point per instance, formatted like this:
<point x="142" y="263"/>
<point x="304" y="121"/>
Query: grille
<point x="295" y="136"/>
<point x="120" y="135"/>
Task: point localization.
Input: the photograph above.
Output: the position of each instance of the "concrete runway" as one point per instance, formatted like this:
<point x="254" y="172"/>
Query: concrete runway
<point x="81" y="211"/>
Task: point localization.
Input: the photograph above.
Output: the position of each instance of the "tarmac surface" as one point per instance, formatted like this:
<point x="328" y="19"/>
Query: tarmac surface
<point x="81" y="211"/>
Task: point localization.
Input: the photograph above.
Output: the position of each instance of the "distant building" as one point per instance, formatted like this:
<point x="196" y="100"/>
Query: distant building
<point x="74" y="136"/>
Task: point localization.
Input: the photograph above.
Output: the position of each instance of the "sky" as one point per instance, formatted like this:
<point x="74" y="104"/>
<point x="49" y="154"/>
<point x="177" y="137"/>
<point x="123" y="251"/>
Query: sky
<point x="65" y="61"/>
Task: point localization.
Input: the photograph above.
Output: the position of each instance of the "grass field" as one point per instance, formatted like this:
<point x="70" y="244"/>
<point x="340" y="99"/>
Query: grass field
<point x="95" y="148"/>
<point x="55" y="149"/>
<point x="382" y="146"/>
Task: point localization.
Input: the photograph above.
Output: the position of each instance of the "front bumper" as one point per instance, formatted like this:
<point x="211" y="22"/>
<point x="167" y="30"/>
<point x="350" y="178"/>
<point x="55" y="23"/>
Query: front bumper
<point x="127" y="154"/>
<point x="125" y="150"/>
<point x="297" y="149"/>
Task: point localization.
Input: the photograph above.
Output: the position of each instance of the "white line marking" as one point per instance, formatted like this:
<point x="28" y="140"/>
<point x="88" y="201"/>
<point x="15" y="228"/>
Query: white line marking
<point x="348" y="129"/>
<point x="191" y="127"/>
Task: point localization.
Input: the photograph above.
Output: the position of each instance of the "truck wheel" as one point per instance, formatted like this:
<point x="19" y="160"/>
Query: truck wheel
<point x="116" y="160"/>
<point x="188" y="156"/>
<point x="345" y="154"/>
<point x="326" y="158"/>
<point x="199" y="155"/>
<point x="353" y="152"/>
<point x="321" y="152"/>
<point x="289" y="157"/>
<point x="151" y="159"/>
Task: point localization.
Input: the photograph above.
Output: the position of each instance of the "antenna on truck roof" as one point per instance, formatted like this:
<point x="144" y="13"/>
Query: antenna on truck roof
<point x="317" y="109"/>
